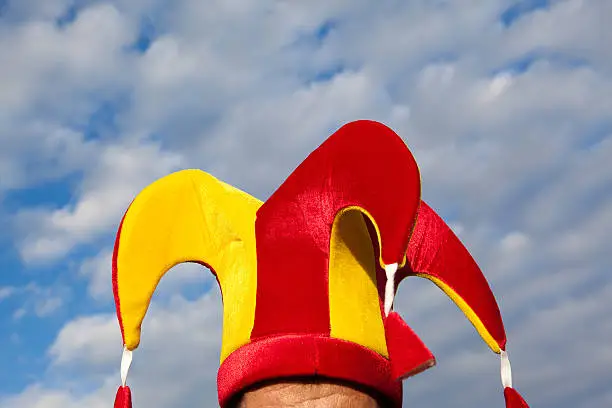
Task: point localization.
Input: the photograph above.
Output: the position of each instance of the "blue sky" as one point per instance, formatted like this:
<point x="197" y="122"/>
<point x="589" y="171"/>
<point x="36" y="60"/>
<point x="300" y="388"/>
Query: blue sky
<point x="506" y="105"/>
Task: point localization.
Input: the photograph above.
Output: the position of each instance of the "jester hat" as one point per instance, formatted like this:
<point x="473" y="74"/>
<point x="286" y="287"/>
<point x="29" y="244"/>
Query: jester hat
<point x="307" y="277"/>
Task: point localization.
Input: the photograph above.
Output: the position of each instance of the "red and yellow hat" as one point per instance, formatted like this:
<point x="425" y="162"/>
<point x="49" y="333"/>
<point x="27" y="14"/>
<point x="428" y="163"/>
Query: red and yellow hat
<point x="307" y="277"/>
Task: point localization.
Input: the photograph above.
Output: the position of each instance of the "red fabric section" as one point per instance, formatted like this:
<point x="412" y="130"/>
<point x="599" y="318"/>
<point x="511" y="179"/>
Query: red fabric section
<point x="436" y="251"/>
<point x="115" y="285"/>
<point x="299" y="355"/>
<point x="514" y="399"/>
<point x="408" y="354"/>
<point x="363" y="164"/>
<point x="123" y="399"/>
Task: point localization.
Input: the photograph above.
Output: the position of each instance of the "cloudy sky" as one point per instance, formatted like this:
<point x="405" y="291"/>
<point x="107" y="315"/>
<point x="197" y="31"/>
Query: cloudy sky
<point x="506" y="105"/>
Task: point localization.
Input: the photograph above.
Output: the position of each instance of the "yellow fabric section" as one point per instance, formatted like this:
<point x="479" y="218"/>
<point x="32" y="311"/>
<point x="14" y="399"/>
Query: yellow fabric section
<point x="189" y="216"/>
<point x="353" y="296"/>
<point x="371" y="218"/>
<point x="467" y="310"/>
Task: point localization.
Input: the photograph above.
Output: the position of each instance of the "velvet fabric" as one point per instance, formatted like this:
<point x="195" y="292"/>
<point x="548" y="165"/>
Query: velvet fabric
<point x="363" y="165"/>
<point x="407" y="352"/>
<point x="437" y="254"/>
<point x="351" y="208"/>
<point x="514" y="399"/>
<point x="297" y="355"/>
<point x="123" y="398"/>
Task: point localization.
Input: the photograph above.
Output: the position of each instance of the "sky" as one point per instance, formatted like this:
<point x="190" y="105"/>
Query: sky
<point x="507" y="107"/>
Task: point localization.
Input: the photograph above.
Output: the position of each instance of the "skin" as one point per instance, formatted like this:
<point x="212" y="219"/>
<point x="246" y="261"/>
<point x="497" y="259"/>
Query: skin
<point x="306" y="394"/>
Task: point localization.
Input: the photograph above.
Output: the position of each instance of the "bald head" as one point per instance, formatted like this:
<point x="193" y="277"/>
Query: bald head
<point x="307" y="394"/>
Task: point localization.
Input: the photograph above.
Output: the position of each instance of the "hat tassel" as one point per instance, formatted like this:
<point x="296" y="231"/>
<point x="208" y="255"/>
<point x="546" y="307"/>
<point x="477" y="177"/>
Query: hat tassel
<point x="123" y="399"/>
<point x="512" y="397"/>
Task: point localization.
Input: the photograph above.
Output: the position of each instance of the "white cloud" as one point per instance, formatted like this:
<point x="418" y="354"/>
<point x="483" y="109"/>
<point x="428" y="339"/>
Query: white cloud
<point x="170" y="344"/>
<point x="514" y="242"/>
<point x="498" y="85"/>
<point x="37" y="396"/>
<point x="48" y="306"/>
<point x="117" y="173"/>
<point x="583" y="35"/>
<point x="90" y="340"/>
<point x="40" y="301"/>
<point x="34" y="9"/>
<point x="82" y="56"/>
<point x="514" y="155"/>
<point x="98" y="270"/>
<point x="6" y="292"/>
<point x="49" y="84"/>
<point x="19" y="313"/>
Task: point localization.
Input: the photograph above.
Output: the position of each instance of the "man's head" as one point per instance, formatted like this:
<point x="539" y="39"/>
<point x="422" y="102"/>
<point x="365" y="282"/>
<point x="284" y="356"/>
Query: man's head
<point x="307" y="393"/>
